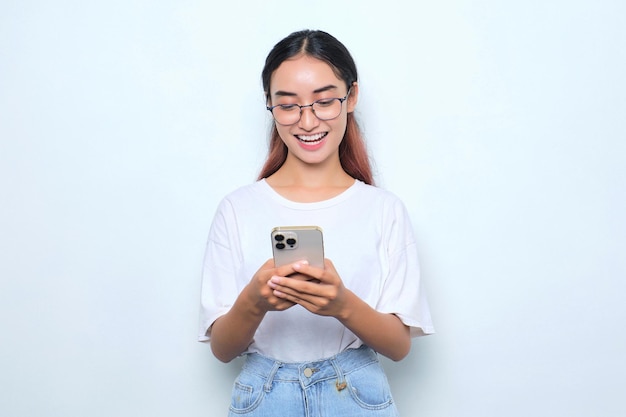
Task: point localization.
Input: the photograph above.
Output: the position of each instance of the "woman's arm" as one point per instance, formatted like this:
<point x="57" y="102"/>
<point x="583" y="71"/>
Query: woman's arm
<point x="233" y="332"/>
<point x="383" y="332"/>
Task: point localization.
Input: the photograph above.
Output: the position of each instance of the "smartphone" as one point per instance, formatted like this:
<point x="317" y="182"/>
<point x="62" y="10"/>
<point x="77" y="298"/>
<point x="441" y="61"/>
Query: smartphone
<point x="296" y="243"/>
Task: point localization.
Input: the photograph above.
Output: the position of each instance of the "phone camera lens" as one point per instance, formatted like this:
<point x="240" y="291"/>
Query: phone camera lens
<point x="291" y="241"/>
<point x="279" y="238"/>
<point x="280" y="245"/>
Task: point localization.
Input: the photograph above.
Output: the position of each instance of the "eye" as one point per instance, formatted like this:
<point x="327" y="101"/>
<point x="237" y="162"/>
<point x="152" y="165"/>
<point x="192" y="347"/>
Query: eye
<point x="325" y="102"/>
<point x="288" y="107"/>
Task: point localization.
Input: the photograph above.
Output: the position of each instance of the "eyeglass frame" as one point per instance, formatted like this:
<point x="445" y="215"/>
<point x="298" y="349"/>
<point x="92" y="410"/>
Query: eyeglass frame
<point x="341" y="100"/>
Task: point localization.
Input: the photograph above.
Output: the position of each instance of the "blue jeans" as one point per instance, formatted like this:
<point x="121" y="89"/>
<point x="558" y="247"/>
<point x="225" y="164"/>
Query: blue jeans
<point x="352" y="383"/>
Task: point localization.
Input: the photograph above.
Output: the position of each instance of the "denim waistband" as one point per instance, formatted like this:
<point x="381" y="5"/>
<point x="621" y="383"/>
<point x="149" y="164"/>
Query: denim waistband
<point x="308" y="373"/>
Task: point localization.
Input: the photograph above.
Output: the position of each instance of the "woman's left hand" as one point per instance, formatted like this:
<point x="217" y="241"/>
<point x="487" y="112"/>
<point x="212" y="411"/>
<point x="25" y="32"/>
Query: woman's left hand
<point x="321" y="292"/>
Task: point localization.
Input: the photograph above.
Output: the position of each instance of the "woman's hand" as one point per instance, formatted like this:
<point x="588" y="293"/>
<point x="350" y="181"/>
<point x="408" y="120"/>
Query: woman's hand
<point x="261" y="295"/>
<point x="256" y="299"/>
<point x="320" y="291"/>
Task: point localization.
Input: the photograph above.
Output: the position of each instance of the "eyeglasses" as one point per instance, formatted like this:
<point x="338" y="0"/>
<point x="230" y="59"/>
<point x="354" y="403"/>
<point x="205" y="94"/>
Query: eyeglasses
<point x="323" y="109"/>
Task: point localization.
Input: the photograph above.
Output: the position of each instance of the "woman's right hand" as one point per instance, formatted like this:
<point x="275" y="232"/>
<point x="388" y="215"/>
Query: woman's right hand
<point x="256" y="299"/>
<point x="262" y="295"/>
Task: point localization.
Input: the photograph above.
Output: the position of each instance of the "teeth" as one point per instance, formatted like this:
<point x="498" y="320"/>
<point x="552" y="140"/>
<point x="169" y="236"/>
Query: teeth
<point x="311" y="138"/>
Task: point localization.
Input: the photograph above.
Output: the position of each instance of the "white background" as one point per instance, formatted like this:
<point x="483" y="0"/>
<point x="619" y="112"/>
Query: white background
<point x="500" y="124"/>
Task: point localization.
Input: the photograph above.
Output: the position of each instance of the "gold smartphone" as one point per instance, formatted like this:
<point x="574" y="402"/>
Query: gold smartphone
<point x="297" y="243"/>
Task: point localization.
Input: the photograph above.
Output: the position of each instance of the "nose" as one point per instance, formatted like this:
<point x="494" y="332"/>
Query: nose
<point x="308" y="119"/>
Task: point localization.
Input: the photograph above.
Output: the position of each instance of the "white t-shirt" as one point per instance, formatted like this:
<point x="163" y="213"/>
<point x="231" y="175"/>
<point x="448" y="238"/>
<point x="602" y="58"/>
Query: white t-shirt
<point x="368" y="237"/>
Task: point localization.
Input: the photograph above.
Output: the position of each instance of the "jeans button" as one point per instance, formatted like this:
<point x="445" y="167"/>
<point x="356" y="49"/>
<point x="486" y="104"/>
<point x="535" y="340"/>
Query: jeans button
<point x="308" y="372"/>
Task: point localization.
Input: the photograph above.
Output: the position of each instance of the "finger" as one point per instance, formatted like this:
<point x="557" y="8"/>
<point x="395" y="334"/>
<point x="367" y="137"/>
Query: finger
<point x="286" y="270"/>
<point x="316" y="305"/>
<point x="294" y="270"/>
<point x="277" y="303"/>
<point x="290" y="295"/>
<point x="283" y="304"/>
<point x="327" y="275"/>
<point x="301" y="277"/>
<point x="306" y="269"/>
<point x="296" y="288"/>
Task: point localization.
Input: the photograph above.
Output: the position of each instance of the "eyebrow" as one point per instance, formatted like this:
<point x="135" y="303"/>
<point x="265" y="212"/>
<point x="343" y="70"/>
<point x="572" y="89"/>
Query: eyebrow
<point x="281" y="93"/>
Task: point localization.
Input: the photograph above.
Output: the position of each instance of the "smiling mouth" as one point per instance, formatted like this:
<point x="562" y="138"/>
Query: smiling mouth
<point x="311" y="139"/>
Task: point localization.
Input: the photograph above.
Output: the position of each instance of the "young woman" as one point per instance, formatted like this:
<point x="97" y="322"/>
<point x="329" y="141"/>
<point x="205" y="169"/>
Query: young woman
<point x="311" y="335"/>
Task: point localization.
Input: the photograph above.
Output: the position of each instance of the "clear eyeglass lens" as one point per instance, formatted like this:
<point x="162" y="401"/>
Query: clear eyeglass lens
<point x="324" y="110"/>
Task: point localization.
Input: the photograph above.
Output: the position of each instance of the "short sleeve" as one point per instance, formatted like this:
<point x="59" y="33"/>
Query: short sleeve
<point x="220" y="268"/>
<point x="403" y="293"/>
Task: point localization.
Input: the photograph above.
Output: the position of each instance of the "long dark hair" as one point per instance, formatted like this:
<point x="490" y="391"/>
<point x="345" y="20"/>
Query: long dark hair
<point x="325" y="47"/>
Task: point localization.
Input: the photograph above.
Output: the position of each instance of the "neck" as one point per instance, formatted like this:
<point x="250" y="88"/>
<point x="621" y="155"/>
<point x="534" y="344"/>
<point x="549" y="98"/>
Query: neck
<point x="302" y="182"/>
<point x="296" y="173"/>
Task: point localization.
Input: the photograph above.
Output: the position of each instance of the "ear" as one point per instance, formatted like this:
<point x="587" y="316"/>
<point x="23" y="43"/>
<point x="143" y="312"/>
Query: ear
<point x="353" y="98"/>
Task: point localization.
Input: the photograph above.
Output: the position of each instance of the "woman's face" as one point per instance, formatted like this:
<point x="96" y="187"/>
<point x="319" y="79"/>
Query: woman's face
<point x="303" y="80"/>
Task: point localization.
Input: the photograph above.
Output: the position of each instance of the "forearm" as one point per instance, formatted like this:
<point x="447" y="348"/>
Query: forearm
<point x="383" y="332"/>
<point x="232" y="333"/>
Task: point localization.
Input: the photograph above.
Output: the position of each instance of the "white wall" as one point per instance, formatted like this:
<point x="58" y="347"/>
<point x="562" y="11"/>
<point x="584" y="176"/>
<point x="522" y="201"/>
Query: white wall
<point x="501" y="125"/>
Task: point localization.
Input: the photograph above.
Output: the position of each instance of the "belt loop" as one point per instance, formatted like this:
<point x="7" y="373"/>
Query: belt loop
<point x="270" y="377"/>
<point x="341" y="382"/>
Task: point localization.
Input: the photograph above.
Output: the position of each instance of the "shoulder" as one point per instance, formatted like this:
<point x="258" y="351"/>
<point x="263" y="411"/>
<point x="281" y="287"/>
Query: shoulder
<point x="383" y="205"/>
<point x="241" y="199"/>
<point x="377" y="195"/>
<point x="246" y="193"/>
